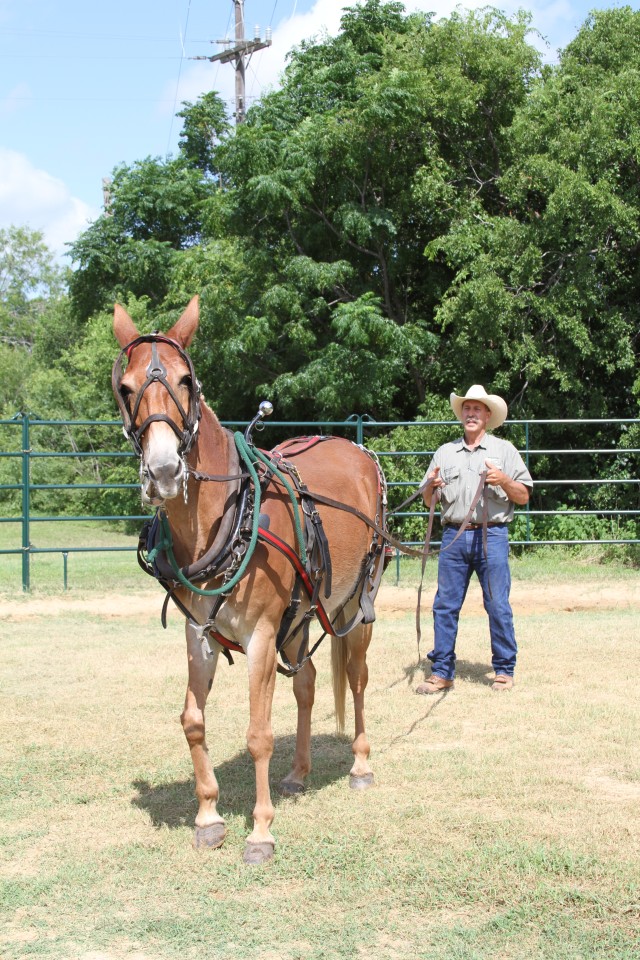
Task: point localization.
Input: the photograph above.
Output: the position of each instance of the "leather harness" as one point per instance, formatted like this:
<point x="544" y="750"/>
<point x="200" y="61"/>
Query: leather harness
<point x="313" y="578"/>
<point x="231" y="539"/>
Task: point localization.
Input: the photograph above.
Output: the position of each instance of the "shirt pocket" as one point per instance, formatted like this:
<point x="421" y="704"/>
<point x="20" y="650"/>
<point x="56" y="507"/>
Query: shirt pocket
<point x="451" y="477"/>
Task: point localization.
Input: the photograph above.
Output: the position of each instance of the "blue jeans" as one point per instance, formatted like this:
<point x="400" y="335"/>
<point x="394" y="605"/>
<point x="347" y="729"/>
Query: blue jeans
<point x="455" y="566"/>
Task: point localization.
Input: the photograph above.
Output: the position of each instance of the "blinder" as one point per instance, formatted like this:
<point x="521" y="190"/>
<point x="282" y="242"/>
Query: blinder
<point x="156" y="373"/>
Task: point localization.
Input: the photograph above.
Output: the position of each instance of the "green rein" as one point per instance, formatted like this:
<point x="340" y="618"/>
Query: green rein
<point x="251" y="456"/>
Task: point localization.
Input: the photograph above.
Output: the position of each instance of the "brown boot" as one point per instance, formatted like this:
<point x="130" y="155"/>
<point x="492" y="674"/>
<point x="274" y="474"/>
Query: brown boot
<point x="434" y="684"/>
<point x="502" y="682"/>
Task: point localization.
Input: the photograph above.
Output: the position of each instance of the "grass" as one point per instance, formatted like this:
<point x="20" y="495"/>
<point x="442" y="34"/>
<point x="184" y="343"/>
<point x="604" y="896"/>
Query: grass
<point x="501" y="826"/>
<point x="86" y="571"/>
<point x="115" y="566"/>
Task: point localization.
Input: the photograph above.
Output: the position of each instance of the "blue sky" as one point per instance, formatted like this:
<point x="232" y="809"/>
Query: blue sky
<point x="86" y="85"/>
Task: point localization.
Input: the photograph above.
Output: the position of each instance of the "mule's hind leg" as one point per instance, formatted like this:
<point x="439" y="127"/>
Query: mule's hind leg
<point x="210" y="830"/>
<point x="358" y="640"/>
<point x="304" y="685"/>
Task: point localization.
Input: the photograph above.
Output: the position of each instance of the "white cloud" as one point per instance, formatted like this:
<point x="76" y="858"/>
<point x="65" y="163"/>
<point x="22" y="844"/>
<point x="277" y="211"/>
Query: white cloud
<point x="266" y="66"/>
<point x="557" y="21"/>
<point x="33" y="198"/>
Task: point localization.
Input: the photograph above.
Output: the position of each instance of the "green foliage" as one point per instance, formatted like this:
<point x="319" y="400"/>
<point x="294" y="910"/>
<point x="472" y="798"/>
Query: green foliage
<point x="549" y="277"/>
<point x="30" y="282"/>
<point x="339" y="167"/>
<point x="155" y="209"/>
<point x="32" y="288"/>
<point x="418" y="203"/>
<point x="205" y="122"/>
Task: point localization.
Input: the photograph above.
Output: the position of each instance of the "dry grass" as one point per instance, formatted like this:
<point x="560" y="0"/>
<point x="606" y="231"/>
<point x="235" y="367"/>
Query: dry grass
<point x="502" y="825"/>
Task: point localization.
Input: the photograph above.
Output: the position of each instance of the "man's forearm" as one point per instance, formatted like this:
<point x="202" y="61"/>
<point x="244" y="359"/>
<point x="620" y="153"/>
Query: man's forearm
<point x="517" y="492"/>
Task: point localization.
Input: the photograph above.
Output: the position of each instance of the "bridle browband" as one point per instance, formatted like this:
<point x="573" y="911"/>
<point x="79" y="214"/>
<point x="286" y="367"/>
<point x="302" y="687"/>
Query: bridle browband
<point x="157" y="373"/>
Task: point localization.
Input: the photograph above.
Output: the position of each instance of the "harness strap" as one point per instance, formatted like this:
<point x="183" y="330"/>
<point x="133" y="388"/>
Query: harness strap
<point x="268" y="537"/>
<point x="329" y="502"/>
<point x="317" y="543"/>
<point x="485" y="513"/>
<point x="425" y="553"/>
<point x="157" y="373"/>
<point x="463" y="526"/>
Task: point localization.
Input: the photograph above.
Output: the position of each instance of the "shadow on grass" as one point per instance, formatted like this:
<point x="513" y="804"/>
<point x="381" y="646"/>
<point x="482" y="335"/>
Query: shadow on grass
<point x="174" y="805"/>
<point x="465" y="670"/>
<point x="474" y="672"/>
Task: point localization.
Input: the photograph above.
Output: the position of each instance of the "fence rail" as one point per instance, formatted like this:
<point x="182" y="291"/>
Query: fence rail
<point x="362" y="429"/>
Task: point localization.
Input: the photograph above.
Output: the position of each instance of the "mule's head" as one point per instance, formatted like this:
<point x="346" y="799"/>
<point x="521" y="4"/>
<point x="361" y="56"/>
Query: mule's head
<point x="159" y="399"/>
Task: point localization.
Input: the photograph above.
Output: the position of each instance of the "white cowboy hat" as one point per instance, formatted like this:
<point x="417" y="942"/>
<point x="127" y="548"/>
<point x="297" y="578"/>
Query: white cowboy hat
<point x="496" y="404"/>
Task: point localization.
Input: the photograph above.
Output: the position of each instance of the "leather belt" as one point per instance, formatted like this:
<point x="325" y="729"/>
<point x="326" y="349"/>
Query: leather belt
<point x="475" y="526"/>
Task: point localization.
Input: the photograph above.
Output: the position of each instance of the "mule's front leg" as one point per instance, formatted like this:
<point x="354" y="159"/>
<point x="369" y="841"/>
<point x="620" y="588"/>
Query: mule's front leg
<point x="304" y="683"/>
<point x="261" y="657"/>
<point x="361" y="775"/>
<point x="210" y="829"/>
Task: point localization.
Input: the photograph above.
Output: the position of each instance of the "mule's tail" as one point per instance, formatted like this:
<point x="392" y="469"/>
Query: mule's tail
<point x="339" y="654"/>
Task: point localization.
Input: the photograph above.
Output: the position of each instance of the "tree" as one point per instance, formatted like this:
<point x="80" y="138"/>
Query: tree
<point x="205" y="124"/>
<point x="32" y="287"/>
<point x="418" y="207"/>
<point x="156" y="210"/>
<point x="29" y="280"/>
<point x="551" y="279"/>
<point x="375" y="142"/>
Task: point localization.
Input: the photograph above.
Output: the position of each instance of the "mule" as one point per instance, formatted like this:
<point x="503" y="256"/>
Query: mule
<point x="191" y="471"/>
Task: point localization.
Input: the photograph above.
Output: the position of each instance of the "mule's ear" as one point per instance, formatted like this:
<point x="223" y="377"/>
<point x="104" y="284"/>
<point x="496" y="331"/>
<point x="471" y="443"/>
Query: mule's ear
<point x="184" y="330"/>
<point x="123" y="326"/>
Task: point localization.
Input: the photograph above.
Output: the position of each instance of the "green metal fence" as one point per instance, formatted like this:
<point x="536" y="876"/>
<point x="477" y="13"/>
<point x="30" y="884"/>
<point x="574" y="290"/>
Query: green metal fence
<point x="24" y="445"/>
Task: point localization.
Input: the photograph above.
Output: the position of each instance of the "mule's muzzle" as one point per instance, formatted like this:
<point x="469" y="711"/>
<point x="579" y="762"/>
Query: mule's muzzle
<point x="162" y="482"/>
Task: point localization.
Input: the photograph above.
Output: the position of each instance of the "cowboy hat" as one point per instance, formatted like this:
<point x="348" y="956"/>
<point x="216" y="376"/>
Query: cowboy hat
<point x="496" y="404"/>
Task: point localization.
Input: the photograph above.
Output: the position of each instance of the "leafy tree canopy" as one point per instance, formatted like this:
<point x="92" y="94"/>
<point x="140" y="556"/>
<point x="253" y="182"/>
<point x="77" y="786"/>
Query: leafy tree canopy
<point x="550" y="282"/>
<point x="32" y="295"/>
<point x="419" y="206"/>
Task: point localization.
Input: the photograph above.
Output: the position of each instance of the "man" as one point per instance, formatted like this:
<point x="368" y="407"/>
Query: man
<point x="455" y="471"/>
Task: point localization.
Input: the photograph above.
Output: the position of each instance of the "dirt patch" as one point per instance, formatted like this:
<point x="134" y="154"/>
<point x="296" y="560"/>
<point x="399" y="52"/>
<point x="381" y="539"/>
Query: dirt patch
<point x="611" y="788"/>
<point x="113" y="607"/>
<point x="526" y="599"/>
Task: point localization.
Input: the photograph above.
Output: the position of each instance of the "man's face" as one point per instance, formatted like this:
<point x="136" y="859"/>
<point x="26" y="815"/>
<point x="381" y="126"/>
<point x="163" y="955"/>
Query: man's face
<point x="475" y="415"/>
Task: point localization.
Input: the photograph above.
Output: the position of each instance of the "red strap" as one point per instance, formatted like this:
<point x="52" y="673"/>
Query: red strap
<point x="229" y="644"/>
<point x="294" y="559"/>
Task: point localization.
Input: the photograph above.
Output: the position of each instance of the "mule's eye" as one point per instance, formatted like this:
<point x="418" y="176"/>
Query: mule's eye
<point x="126" y="393"/>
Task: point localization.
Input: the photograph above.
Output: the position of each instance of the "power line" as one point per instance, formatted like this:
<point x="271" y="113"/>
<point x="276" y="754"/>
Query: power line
<point x="239" y="55"/>
<point x="175" y="99"/>
<point x="64" y="35"/>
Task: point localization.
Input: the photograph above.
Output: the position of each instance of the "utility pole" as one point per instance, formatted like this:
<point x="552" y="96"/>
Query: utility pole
<point x="239" y="54"/>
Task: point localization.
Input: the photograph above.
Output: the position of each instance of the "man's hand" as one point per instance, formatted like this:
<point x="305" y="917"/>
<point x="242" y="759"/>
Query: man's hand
<point x="495" y="476"/>
<point x="516" y="491"/>
<point x="435" y="478"/>
<point x="434" y="482"/>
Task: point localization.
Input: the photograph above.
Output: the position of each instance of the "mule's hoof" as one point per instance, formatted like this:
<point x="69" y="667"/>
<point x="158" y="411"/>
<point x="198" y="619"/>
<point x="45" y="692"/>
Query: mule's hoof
<point x="289" y="788"/>
<point x="209" y="837"/>
<point x="255" y="854"/>
<point x="360" y="782"/>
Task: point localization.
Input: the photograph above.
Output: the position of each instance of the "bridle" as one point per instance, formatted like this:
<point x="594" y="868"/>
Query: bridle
<point x="157" y="373"/>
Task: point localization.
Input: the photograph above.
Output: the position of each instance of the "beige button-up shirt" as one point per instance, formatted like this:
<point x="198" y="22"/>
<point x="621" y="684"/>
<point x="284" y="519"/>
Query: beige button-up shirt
<point x="460" y="468"/>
